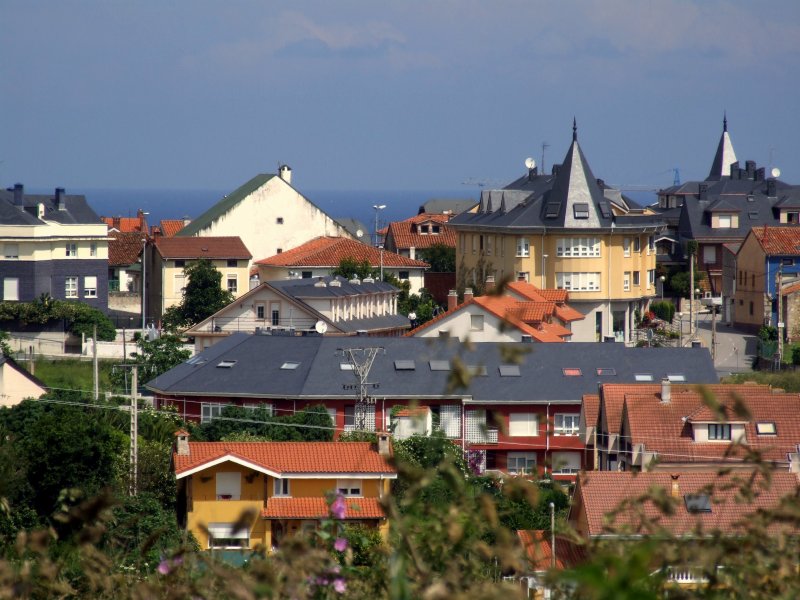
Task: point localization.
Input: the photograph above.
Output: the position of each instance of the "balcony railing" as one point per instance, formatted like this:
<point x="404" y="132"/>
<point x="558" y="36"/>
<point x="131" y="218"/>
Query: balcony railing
<point x="486" y="435"/>
<point x="113" y="285"/>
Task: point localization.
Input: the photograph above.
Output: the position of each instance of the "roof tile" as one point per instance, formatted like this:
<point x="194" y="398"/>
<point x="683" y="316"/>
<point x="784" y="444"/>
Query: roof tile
<point x="317" y="508"/>
<point x="326" y="251"/>
<point x="202" y="247"/>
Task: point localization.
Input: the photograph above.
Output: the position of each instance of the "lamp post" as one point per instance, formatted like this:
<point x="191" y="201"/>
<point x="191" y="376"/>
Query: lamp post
<point x="544" y="266"/>
<point x="378" y="208"/>
<point x="144" y="279"/>
<point x="697" y="312"/>
<point x="663" y="278"/>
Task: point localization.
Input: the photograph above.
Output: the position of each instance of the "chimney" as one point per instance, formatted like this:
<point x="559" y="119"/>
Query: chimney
<point x="666" y="390"/>
<point x="182" y="437"/>
<point x="750" y="168"/>
<point x="489" y="283"/>
<point x="452" y="300"/>
<point x="772" y="187"/>
<point x="60" y="199"/>
<point x="384" y="444"/>
<point x="19" y="196"/>
<point x="116" y="222"/>
<point x="703" y="193"/>
<point x="600" y="182"/>
<point x="286" y="173"/>
<point x="555" y="169"/>
<point x="532" y="173"/>
<point x="467" y="294"/>
<point x="760" y="174"/>
<point x="676" y="489"/>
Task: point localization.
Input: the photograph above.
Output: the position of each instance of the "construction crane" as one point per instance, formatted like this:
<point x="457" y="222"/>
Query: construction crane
<point x="482" y="182"/>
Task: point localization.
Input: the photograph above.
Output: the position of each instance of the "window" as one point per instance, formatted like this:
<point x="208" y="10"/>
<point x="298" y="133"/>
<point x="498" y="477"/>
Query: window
<point x="349" y="418"/>
<point x="180" y="263"/>
<point x="278" y="250"/>
<point x="605" y="371"/>
<point x="521" y="463"/>
<point x="571" y="372"/>
<point x="476" y="322"/>
<point x="290" y="365"/>
<point x="71" y="287"/>
<point x="275" y="313"/>
<point x="423" y="229"/>
<point x="523" y="247"/>
<point x="578" y="282"/>
<point x="787" y="262"/>
<point x="566" y="424"/>
<point x="522" y="425"/>
<point x="643" y="377"/>
<point x="636" y="278"/>
<point x="523" y="276"/>
<point x="719" y="431"/>
<point x="724" y="221"/>
<point x="11" y="251"/>
<point x="676" y="377"/>
<point x="651" y="278"/>
<point x="90" y="287"/>
<point x="766" y="428"/>
<point x="439" y="365"/>
<point x="566" y="463"/>
<point x="405" y="365"/>
<point x="209" y="411"/>
<point x="578" y="247"/>
<point x="233" y="284"/>
<point x="792" y="217"/>
<point x="92" y="249"/>
<point x="279" y="221"/>
<point x="306" y="274"/>
<point x="222" y="536"/>
<point x="751" y="308"/>
<point x="697" y="503"/>
<point x="435" y="229"/>
<point x="229" y="485"/>
<point x="489" y="244"/>
<point x="626" y="246"/>
<point x="72" y="250"/>
<point x="348" y="487"/>
<point x="280" y="487"/>
<point x="626" y="281"/>
<point x="232" y="263"/>
<point x="260" y="311"/>
<point x="651" y="244"/>
<point x="581" y="210"/>
<point x="402" y="275"/>
<point x="637" y="245"/>
<point x="709" y="254"/>
<point x="474" y="243"/>
<point x="10" y="288"/>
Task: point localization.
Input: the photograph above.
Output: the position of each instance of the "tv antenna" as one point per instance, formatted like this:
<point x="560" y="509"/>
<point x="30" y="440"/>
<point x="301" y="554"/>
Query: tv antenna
<point x="545" y="146"/>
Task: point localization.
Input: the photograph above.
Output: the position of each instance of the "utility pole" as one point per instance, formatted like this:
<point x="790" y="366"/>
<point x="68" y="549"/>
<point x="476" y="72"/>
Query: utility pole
<point x="691" y="294"/>
<point x="713" y="331"/>
<point x="134" y="458"/>
<point x="361" y="360"/>
<point x="95" y="373"/>
<point x="779" y="323"/>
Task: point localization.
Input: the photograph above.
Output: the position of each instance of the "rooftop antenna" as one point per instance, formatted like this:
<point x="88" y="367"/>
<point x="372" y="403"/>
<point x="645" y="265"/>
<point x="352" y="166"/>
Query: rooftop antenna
<point x="545" y="146"/>
<point x="361" y="360"/>
<point x="677" y="176"/>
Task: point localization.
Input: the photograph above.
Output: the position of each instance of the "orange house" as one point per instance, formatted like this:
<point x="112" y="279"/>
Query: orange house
<point x="239" y="495"/>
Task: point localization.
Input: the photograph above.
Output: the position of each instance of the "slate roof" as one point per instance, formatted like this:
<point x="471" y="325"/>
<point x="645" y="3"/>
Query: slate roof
<point x="778" y="240"/>
<point x="441" y="206"/>
<point x="203" y="247"/>
<point x="257" y="371"/>
<point x="287" y="458"/>
<point x="328" y="251"/>
<point x="555" y="201"/>
<point x="77" y="210"/>
<point x="406" y="234"/>
<point x="538" y="549"/>
<point x="124" y="248"/>
<point x="353" y="226"/>
<point x="601" y="493"/>
<point x="317" y="508"/>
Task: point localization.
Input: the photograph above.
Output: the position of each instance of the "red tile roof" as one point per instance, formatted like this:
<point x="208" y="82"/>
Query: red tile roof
<point x="289" y="457"/>
<point x="406" y="234"/>
<point x="790" y="289"/>
<point x="169" y="227"/>
<point x="599" y="495"/>
<point x="202" y="247"/>
<point x="317" y="508"/>
<point x="126" y="224"/>
<point x="539" y="550"/>
<point x="778" y="240"/>
<point x="124" y="248"/>
<point x="528" y="291"/>
<point x="327" y="251"/>
<point x="591" y="409"/>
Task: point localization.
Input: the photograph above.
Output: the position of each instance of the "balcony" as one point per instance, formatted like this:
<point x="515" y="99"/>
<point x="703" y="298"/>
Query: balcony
<point x="485" y="435"/>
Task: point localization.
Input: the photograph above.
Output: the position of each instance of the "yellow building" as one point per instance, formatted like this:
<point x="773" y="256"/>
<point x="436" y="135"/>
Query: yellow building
<point x="565" y="230"/>
<point x="275" y="488"/>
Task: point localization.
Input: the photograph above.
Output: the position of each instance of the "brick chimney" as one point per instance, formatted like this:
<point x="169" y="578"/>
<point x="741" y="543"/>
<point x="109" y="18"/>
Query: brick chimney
<point x="489" y="283"/>
<point x="772" y="188"/>
<point x="676" y="489"/>
<point x="467" y="294"/>
<point x="116" y="222"/>
<point x="384" y="444"/>
<point x="452" y="300"/>
<point x="182" y="442"/>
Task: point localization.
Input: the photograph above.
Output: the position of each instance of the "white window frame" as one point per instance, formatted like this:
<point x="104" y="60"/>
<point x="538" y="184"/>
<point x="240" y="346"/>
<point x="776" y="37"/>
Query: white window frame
<point x="476" y="322"/>
<point x="563" y="463"/>
<point x="626" y="281"/>
<point x="528" y="460"/>
<point x="523" y="425"/>
<point x="350" y="488"/>
<point x="93" y="249"/>
<point x="578" y="247"/>
<point x="71" y="286"/>
<point x="578" y="281"/>
<point x="71" y="250"/>
<point x="90" y="286"/>
<point x="11" y="289"/>
<point x="523" y="247"/>
<point x="626" y="246"/>
<point x="228" y="483"/>
<point x="210" y="411"/>
<point x="232" y="277"/>
<point x="281" y="488"/>
<point x="567" y="424"/>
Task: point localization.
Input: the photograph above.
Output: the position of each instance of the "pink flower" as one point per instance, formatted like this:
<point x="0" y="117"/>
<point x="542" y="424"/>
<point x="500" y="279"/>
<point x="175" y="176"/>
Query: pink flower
<point x="340" y="545"/>
<point x="163" y="567"/>
<point x="339" y="585"/>
<point x="338" y="507"/>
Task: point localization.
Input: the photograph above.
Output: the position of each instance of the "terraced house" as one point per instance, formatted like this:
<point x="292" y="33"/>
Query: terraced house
<point x="565" y="230"/>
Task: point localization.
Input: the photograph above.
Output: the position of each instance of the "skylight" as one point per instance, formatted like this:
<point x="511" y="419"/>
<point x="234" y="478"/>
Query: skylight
<point x="404" y="365"/>
<point x="439" y="365"/>
<point x="643" y="377"/>
<point x="571" y="372"/>
<point x="290" y="365"/>
<point x="697" y="503"/>
<point x="345" y="366"/>
<point x="226" y="364"/>
<point x="606" y="371"/>
<point x="766" y="428"/>
<point x="478" y="370"/>
<point x="581" y="210"/>
<point x="552" y="209"/>
<point x="509" y="371"/>
<point x="676" y="377"/>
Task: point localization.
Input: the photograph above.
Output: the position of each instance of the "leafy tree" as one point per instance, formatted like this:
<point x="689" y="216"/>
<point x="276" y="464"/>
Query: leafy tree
<point x="154" y="358"/>
<point x="237" y="423"/>
<point x="5" y="349"/>
<point x="441" y="258"/>
<point x="350" y="267"/>
<point x="202" y="297"/>
<point x="79" y="318"/>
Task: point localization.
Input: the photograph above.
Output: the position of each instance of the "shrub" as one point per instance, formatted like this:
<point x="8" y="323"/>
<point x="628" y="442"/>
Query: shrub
<point x="663" y="310"/>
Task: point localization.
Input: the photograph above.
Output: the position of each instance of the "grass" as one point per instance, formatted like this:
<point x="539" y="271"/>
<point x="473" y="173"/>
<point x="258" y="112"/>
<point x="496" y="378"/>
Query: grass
<point x="786" y="380"/>
<point x="72" y="374"/>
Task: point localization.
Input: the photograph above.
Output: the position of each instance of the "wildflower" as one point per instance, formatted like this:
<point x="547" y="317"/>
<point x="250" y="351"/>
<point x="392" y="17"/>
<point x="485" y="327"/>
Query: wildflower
<point x="339" y="585"/>
<point x="338" y="507"/>
<point x="163" y="567"/>
<point x="340" y="545"/>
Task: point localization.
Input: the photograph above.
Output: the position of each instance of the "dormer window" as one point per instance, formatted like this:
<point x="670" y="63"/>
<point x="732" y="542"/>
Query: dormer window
<point x="581" y="210"/>
<point x="792" y="216"/>
<point x="725" y="221"/>
<point x="424" y="229"/>
<point x="766" y="428"/>
<point x="719" y="431"/>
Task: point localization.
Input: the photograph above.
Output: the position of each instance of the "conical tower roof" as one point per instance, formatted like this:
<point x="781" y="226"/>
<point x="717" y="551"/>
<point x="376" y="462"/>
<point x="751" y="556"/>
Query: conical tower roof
<point x="725" y="155"/>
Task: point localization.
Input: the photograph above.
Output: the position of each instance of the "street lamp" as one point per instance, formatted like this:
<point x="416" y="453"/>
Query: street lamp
<point x="662" y="279"/>
<point x="544" y="264"/>
<point x="697" y="312"/>
<point x="378" y="208"/>
<point x="144" y="278"/>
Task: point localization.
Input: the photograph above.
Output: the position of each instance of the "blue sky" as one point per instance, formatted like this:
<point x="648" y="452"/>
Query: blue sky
<point x="372" y="95"/>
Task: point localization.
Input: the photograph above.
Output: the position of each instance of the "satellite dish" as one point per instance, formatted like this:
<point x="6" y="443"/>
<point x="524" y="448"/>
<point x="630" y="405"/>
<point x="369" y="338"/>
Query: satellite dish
<point x="776" y="172"/>
<point x="412" y="316"/>
<point x="359" y="233"/>
<point x="321" y="327"/>
<point x="530" y="163"/>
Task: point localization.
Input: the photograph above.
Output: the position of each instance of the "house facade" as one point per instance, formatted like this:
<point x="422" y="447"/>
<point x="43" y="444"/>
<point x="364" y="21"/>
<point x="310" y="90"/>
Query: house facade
<point x="125" y="251"/>
<point x="285" y="486"/>
<point x="520" y="414"/>
<point x="298" y="306"/>
<point x="268" y="214"/>
<point x="565" y="230"/>
<point x="52" y="244"/>
<point x="16" y="384"/>
<point x="168" y="257"/>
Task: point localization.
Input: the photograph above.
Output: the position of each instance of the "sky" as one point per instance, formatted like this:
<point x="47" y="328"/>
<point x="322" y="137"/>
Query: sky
<point x="410" y="95"/>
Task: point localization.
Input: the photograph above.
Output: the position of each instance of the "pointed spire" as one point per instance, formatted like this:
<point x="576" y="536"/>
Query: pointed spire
<point x="574" y="130"/>
<point x="725" y="121"/>
<point x="725" y="156"/>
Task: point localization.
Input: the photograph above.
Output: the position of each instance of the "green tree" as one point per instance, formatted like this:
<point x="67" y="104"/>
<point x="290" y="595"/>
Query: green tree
<point x="79" y="318"/>
<point x="441" y="258"/>
<point x="202" y="297"/>
<point x="349" y="267"/>
<point x="5" y="349"/>
<point x="154" y="358"/>
<point x="237" y="423"/>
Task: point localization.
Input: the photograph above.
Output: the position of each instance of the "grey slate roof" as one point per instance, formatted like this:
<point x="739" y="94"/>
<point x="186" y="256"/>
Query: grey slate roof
<point x="569" y="198"/>
<point x="353" y="226"/>
<point x="257" y="371"/>
<point x="440" y="206"/>
<point x="77" y="210"/>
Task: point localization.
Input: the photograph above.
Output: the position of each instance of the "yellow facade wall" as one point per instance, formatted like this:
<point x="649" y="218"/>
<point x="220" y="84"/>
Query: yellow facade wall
<point x="750" y="284"/>
<point x="172" y="293"/>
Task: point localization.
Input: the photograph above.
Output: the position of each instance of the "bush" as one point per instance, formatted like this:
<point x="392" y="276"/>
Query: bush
<point x="663" y="310"/>
<point x="768" y="333"/>
<point x="796" y="355"/>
